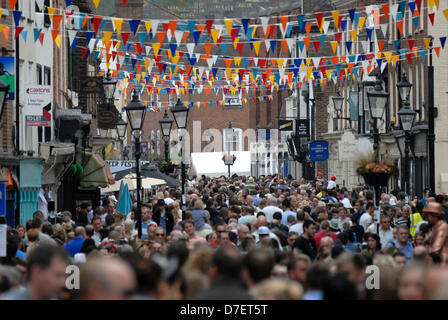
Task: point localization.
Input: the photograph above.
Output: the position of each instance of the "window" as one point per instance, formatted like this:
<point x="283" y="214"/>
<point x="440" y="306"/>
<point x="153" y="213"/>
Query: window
<point x="158" y="142"/>
<point x="234" y="141"/>
<point x="44" y="134"/>
<point x="39" y="74"/>
<point x="47" y="76"/>
<point x="30" y="73"/>
<point x="44" y="9"/>
<point x="232" y="100"/>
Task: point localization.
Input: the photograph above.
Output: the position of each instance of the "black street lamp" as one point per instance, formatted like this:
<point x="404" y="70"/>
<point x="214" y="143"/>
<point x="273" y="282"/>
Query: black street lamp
<point x="136" y="111"/>
<point x="404" y="88"/>
<point x="407" y="116"/>
<point x="109" y="85"/>
<point x="166" y="125"/>
<point x="121" y="131"/>
<point x="338" y="100"/>
<point x="377" y="104"/>
<point x="229" y="159"/>
<point x="180" y="114"/>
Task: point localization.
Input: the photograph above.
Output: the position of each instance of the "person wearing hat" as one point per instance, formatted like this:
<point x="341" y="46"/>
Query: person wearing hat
<point x="439" y="238"/>
<point x="332" y="183"/>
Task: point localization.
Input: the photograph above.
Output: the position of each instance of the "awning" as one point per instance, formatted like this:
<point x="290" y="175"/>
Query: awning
<point x="131" y="181"/>
<point x="94" y="171"/>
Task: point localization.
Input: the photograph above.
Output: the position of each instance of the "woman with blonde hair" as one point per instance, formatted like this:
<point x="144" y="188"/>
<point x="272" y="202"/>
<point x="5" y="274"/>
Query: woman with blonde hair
<point x="176" y="212"/>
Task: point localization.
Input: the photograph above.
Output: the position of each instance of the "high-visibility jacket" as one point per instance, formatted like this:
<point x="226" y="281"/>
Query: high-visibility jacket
<point x="415" y="219"/>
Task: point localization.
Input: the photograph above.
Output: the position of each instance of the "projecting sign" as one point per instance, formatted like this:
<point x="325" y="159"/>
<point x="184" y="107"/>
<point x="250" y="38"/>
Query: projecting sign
<point x="319" y="150"/>
<point x="285" y="125"/>
<point x="37" y="109"/>
<point x="303" y="128"/>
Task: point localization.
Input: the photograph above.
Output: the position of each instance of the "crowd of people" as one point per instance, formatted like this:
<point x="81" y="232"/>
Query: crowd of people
<point x="238" y="238"/>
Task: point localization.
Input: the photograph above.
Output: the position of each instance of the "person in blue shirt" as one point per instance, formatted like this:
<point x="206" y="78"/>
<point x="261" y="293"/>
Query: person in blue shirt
<point x="287" y="212"/>
<point x="146" y="221"/>
<point x="73" y="247"/>
<point x="402" y="242"/>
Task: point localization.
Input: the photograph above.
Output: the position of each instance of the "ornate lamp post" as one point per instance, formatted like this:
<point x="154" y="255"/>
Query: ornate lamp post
<point x="166" y="125"/>
<point x="121" y="131"/>
<point x="180" y="114"/>
<point x="338" y="100"/>
<point x="377" y="104"/>
<point x="136" y="111"/>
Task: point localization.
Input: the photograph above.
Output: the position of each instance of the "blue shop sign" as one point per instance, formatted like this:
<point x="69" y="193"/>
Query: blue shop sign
<point x="319" y="150"/>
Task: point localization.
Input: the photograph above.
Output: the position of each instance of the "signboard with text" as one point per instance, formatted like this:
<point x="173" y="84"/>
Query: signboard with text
<point x="38" y="103"/>
<point x="304" y="128"/>
<point x="120" y="165"/>
<point x="319" y="150"/>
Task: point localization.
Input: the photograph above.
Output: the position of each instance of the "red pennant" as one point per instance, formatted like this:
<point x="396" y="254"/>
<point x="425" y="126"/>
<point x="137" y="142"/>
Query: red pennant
<point x="431" y="17"/>
<point x="334" y="60"/>
<point x="240" y="47"/>
<point x="18" y="31"/>
<point x="409" y="57"/>
<point x="41" y="38"/>
<point x="56" y="20"/>
<point x="138" y="48"/>
<point x="338" y="36"/>
<point x="411" y="43"/>
<point x="165" y="26"/>
<point x="209" y="24"/>
<point x="125" y="37"/>
<point x="83" y="50"/>
<point x="419" y="5"/>
<point x="96" y="23"/>
<point x="319" y="17"/>
<point x="124" y="2"/>
<point x="207" y="48"/>
<point x="316" y="45"/>
<point x="54" y="34"/>
<point x="262" y="63"/>
<point x="437" y="50"/>
<point x="233" y="33"/>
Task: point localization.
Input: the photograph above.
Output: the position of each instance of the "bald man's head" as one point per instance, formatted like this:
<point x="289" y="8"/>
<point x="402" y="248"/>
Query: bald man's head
<point x="106" y="279"/>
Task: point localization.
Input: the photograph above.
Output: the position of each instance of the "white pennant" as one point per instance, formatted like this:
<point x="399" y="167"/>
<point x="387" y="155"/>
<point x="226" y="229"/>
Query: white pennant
<point x="264" y="23"/>
<point x="148" y="50"/>
<point x="316" y="62"/>
<point x="268" y="44"/>
<point x="72" y="35"/>
<point x="210" y="62"/>
<point x="326" y="26"/>
<point x="39" y="17"/>
<point x="365" y="46"/>
<point x="154" y="25"/>
<point x="290" y="42"/>
<point x="256" y="62"/>
<point x="190" y="48"/>
<point x="40" y="4"/>
<point x="215" y="58"/>
<point x="169" y="35"/>
<point x="178" y="35"/>
<point x="394" y="11"/>
<point x="92" y="44"/>
<point x="384" y="29"/>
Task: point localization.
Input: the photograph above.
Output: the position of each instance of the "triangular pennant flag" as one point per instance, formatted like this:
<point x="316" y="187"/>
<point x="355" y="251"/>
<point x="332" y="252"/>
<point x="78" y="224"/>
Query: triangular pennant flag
<point x="381" y="45"/>
<point x="36" y="33"/>
<point x="257" y="47"/>
<point x="411" y="43"/>
<point x="338" y="37"/>
<point x="54" y="34"/>
<point x="445" y="12"/>
<point x="319" y="17"/>
<point x="17" y="15"/>
<point x="442" y="42"/>
<point x="24" y="34"/>
<point x="400" y="26"/>
<point x="334" y="46"/>
<point x="57" y="21"/>
<point x="431" y="17"/>
<point x="386" y="10"/>
<point x="17" y="32"/>
<point x="284" y="21"/>
<point x="397" y="44"/>
<point x="316" y="45"/>
<point x="343" y="25"/>
<point x="117" y="25"/>
<point x="335" y="15"/>
<point x="96" y="3"/>
<point x="369" y="33"/>
<point x="264" y="23"/>
<point x="437" y="50"/>
<point x="354" y="34"/>
<point x="134" y="24"/>
<point x="348" y="44"/>
<point x="12" y="4"/>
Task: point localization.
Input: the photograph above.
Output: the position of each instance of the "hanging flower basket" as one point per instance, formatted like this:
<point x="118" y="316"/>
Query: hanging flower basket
<point x="376" y="179"/>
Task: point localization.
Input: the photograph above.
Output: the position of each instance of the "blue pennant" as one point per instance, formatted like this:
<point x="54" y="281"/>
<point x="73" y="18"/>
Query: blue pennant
<point x="245" y="23"/>
<point x="397" y="44"/>
<point x="343" y="25"/>
<point x="369" y="33"/>
<point x="442" y="42"/>
<point x="300" y="19"/>
<point x="348" y="44"/>
<point x="17" y="15"/>
<point x="133" y="24"/>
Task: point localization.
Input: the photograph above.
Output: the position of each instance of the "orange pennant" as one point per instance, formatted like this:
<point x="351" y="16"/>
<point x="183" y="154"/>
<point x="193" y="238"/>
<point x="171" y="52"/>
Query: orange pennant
<point x="400" y="26"/>
<point x="284" y="21"/>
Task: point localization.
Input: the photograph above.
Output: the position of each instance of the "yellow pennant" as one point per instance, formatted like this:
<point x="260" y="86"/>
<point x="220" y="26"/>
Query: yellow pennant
<point x="118" y="23"/>
<point x="107" y="36"/>
<point x="235" y="43"/>
<point x="431" y="4"/>
<point x="334" y="46"/>
<point x="156" y="47"/>
<point x="388" y="56"/>
<point x="354" y="34"/>
<point x="148" y="26"/>
<point x="321" y="25"/>
<point x="96" y="3"/>
<point x="229" y="23"/>
<point x="58" y="41"/>
<point x="146" y="64"/>
<point x="215" y="35"/>
<point x="1" y="13"/>
<point x="228" y="71"/>
<point x="138" y="77"/>
<point x="427" y="42"/>
<point x="437" y="4"/>
<point x="175" y="59"/>
<point x="395" y="60"/>
<point x="362" y="20"/>
<point x="308" y="61"/>
<point x="253" y="31"/>
<point x="51" y="12"/>
<point x="445" y="12"/>
<point x="309" y="71"/>
<point x="335" y="15"/>
<point x="237" y="61"/>
<point x="257" y="47"/>
<point x="281" y="62"/>
<point x="329" y="72"/>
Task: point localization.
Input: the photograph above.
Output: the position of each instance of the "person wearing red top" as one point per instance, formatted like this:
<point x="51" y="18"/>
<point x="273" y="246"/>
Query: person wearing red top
<point x="326" y="232"/>
<point x="223" y="238"/>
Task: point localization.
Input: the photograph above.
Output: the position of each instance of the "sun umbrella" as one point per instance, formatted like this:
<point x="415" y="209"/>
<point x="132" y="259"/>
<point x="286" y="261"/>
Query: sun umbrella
<point x="131" y="181"/>
<point x="124" y="201"/>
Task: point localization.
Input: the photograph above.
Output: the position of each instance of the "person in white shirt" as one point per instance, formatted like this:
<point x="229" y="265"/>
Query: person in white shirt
<point x="367" y="218"/>
<point x="298" y="226"/>
<point x="332" y="183"/>
<point x="271" y="208"/>
<point x="167" y="199"/>
<point x="346" y="201"/>
<point x="385" y="232"/>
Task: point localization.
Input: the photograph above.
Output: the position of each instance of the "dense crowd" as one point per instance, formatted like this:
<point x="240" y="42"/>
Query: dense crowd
<point x="239" y="238"/>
